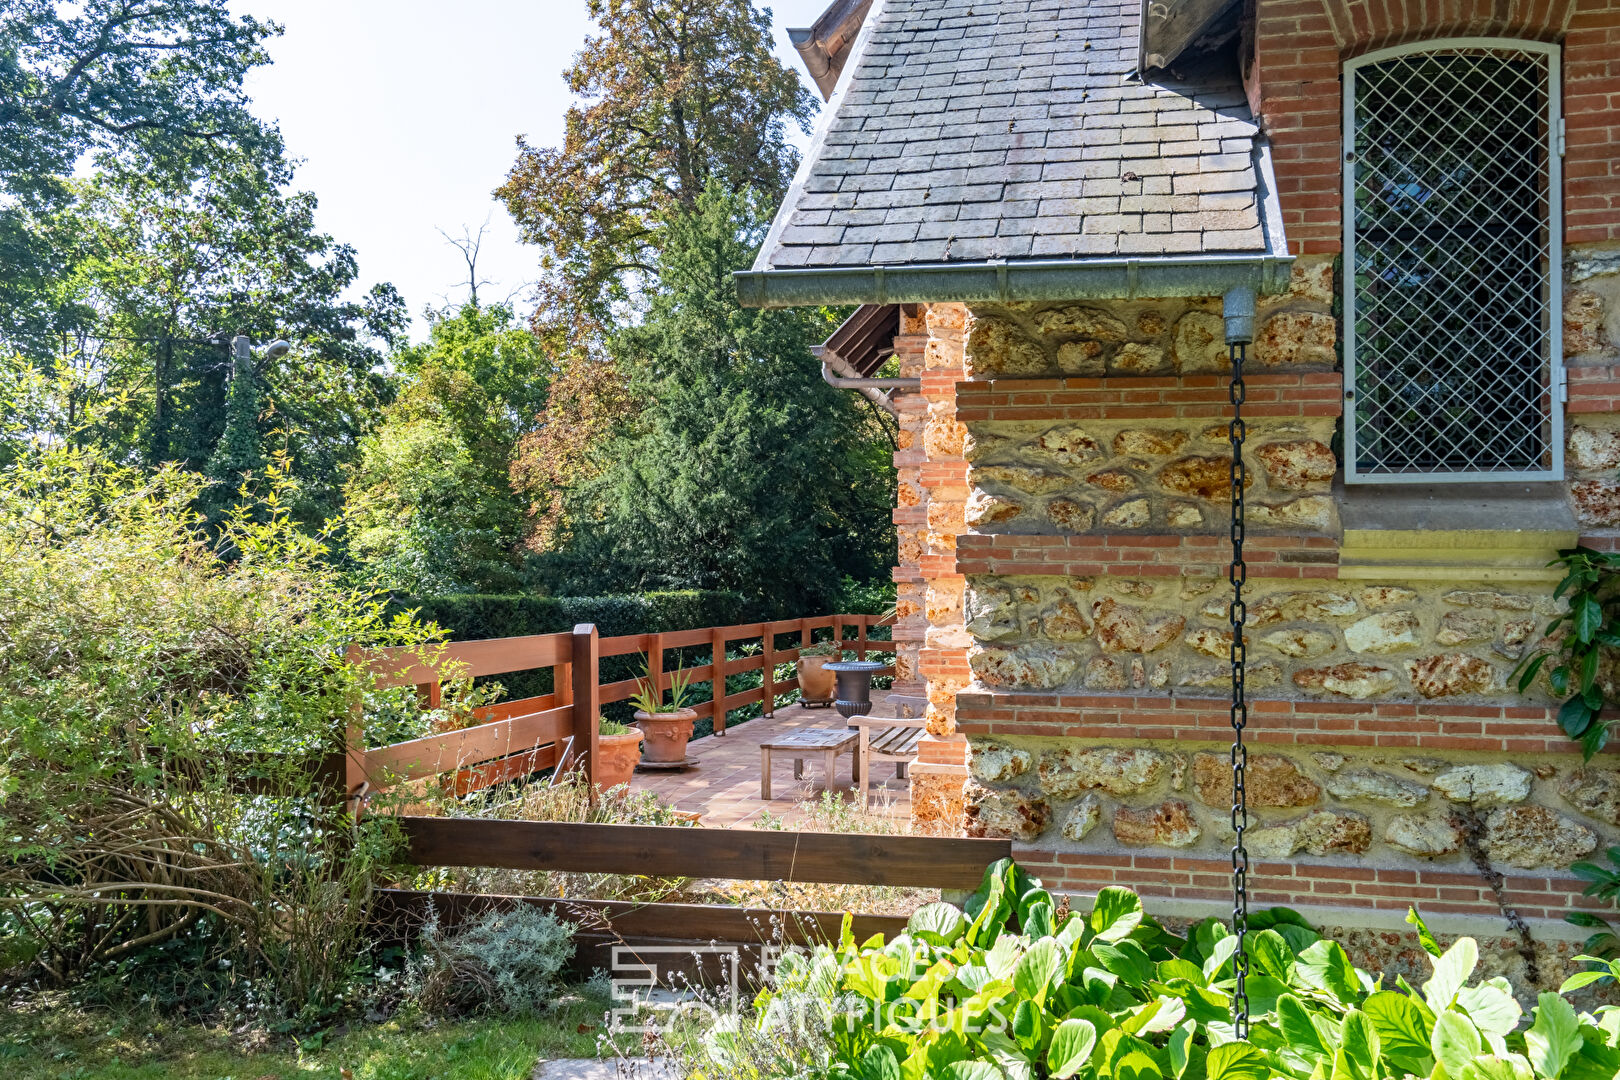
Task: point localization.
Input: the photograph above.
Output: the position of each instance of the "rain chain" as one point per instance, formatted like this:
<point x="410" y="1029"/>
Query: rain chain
<point x="1239" y="311"/>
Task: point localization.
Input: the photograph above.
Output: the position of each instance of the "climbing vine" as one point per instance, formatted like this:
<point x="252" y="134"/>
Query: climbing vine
<point x="1578" y="639"/>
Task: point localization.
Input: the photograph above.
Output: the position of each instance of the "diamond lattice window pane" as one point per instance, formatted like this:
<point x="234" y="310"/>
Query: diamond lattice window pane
<point x="1449" y="264"/>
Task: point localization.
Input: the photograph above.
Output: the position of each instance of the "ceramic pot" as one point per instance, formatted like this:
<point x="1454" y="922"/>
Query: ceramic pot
<point x="815" y="681"/>
<point x="667" y="734"/>
<point x="616" y="757"/>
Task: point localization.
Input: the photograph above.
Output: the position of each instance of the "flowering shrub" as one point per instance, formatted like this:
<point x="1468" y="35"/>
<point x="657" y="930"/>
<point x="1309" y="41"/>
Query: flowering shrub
<point x="1007" y="987"/>
<point x="167" y="687"/>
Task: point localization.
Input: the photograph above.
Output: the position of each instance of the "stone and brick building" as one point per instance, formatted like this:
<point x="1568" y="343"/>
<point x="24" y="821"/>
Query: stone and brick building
<point x="1049" y="202"/>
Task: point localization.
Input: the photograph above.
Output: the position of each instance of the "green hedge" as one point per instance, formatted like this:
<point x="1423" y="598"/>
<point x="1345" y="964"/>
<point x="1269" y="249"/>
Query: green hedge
<point x="474" y="617"/>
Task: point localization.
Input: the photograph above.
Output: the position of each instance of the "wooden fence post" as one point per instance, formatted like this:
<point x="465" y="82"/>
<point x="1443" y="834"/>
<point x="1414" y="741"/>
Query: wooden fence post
<point x="860" y="638"/>
<point x="353" y="775"/>
<point x="587" y="682"/>
<point x="655" y="663"/>
<point x="767" y="686"/>
<point x="717" y="656"/>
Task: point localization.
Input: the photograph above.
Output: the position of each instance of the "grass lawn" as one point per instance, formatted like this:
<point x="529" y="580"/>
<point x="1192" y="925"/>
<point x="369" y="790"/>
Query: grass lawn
<point x="69" y="1044"/>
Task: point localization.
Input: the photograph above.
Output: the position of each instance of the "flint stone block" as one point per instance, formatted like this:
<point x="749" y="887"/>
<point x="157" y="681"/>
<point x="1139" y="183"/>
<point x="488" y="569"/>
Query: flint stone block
<point x="1388" y="632"/>
<point x="1483" y="785"/>
<point x="1451" y="675"/>
<point x="1083" y="817"/>
<point x="1427" y="836"/>
<point x="1530" y="837"/>
<point x="1169" y="824"/>
<point x="1067" y="773"/>
<point x="1378" y="787"/>
<point x="1005" y="813"/>
<point x="1270" y="779"/>
<point x="996" y="763"/>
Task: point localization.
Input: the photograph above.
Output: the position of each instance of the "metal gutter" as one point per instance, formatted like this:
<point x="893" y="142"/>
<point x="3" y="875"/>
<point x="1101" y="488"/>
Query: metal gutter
<point x="1001" y="281"/>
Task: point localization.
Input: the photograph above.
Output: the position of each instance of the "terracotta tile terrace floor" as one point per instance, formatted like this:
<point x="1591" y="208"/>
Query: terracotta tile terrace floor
<point x="724" y="786"/>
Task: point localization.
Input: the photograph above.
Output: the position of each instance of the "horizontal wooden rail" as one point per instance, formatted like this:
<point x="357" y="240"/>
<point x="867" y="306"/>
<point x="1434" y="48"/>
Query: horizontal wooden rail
<point x="451" y="750"/>
<point x="671" y="851"/>
<point x="405" y="909"/>
<point x="563" y="724"/>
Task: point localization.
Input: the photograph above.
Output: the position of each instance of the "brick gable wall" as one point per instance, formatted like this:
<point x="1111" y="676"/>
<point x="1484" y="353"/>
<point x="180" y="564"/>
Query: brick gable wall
<point x="1293" y="82"/>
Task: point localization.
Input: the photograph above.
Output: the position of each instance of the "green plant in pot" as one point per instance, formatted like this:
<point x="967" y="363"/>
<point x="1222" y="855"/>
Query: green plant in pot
<point x="816" y="683"/>
<point x="618" y="751"/>
<point x="667" y="725"/>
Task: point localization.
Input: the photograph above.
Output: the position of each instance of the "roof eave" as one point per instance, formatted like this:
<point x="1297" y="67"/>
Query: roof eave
<point x="1004" y="281"/>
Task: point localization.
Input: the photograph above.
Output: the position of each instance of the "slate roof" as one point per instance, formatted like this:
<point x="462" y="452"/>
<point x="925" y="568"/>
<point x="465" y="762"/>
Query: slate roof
<point x="972" y="130"/>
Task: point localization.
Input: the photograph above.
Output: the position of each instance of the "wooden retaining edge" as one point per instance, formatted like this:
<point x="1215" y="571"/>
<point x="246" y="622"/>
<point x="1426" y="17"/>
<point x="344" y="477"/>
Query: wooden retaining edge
<point x="672" y="851"/>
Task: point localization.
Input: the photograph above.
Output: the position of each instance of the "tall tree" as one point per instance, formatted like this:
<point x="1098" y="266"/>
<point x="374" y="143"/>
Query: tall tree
<point x="673" y="95"/>
<point x="744" y="470"/>
<point x="431" y="506"/>
<point x="161" y="80"/>
<point x="169" y="268"/>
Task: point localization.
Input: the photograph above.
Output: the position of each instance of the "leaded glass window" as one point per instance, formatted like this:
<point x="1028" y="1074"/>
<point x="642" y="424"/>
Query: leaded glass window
<point x="1452" y="245"/>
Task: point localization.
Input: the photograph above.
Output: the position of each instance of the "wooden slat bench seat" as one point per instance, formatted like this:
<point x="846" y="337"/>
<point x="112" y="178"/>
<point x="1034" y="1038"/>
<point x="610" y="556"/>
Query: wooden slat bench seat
<point x="886" y="738"/>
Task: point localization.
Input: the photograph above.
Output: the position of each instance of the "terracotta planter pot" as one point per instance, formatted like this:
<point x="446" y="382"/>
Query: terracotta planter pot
<point x="667" y="734"/>
<point x="815" y="681"/>
<point x="616" y="757"/>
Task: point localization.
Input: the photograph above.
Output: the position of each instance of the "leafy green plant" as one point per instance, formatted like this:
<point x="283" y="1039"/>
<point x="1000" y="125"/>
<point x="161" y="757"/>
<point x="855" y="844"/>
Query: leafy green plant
<point x="649" y="699"/>
<point x="1604" y="884"/>
<point x="605" y="726"/>
<point x="1580" y="636"/>
<point x="822" y="648"/>
<point x="1007" y="987"/>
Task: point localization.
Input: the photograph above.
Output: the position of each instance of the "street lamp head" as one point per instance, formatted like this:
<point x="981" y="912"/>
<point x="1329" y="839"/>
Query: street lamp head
<point x="276" y="350"/>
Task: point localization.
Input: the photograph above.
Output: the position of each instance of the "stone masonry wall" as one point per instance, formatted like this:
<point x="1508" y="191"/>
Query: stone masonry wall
<point x="1073" y="566"/>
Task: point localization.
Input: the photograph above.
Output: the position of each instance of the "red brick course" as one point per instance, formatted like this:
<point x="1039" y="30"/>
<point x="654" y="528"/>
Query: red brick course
<point x="1184" y="397"/>
<point x="1499" y="729"/>
<point x="1536" y="894"/>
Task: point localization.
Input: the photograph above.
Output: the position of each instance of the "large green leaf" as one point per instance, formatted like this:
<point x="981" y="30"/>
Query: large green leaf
<point x="1455" y="1042"/>
<point x="1326" y="967"/>
<point x="1117" y="912"/>
<point x="1491" y="1006"/>
<point x="1271" y="953"/>
<point x="1236" y="1061"/>
<point x="1451" y="972"/>
<point x="1511" y="1067"/>
<point x="1033" y="977"/>
<point x="1297" y="1029"/>
<point x="1586" y="616"/>
<point x="1180" y="1047"/>
<point x="1358" y="1047"/>
<point x="1555" y="1036"/>
<point x="879" y="1063"/>
<point x="1071" y="1048"/>
<point x="1402" y="1031"/>
<point x="939" y="923"/>
<point x="972" y="1070"/>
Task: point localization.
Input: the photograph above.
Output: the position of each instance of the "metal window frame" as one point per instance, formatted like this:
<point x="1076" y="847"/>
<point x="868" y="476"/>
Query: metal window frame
<point x="1555" y="370"/>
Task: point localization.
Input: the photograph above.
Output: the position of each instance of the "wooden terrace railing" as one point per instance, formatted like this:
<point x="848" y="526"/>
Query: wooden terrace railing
<point x="559" y="730"/>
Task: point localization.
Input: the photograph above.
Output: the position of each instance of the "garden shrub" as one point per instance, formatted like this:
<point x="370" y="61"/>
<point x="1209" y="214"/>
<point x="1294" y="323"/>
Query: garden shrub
<point x="503" y="961"/>
<point x="156" y="668"/>
<point x="472" y="617"/>
<point x="1011" y="986"/>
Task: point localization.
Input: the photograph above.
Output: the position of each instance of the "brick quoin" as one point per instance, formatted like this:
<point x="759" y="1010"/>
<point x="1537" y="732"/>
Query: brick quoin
<point x="1293" y="82"/>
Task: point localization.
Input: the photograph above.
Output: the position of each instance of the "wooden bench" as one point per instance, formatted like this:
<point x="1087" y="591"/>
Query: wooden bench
<point x="886" y="738"/>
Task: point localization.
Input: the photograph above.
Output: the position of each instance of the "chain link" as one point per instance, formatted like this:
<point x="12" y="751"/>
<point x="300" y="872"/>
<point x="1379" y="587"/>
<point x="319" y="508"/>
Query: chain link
<point x="1237" y="613"/>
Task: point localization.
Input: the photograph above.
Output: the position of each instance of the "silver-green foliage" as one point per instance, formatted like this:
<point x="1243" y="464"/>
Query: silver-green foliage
<point x="1004" y="988"/>
<point x="504" y="961"/>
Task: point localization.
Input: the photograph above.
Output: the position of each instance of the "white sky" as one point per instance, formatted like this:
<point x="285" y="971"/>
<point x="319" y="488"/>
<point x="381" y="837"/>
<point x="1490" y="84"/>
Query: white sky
<point x="404" y="114"/>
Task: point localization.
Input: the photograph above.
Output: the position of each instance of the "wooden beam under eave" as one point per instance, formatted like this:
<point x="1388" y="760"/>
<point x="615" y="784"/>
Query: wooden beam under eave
<point x="1169" y="26"/>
